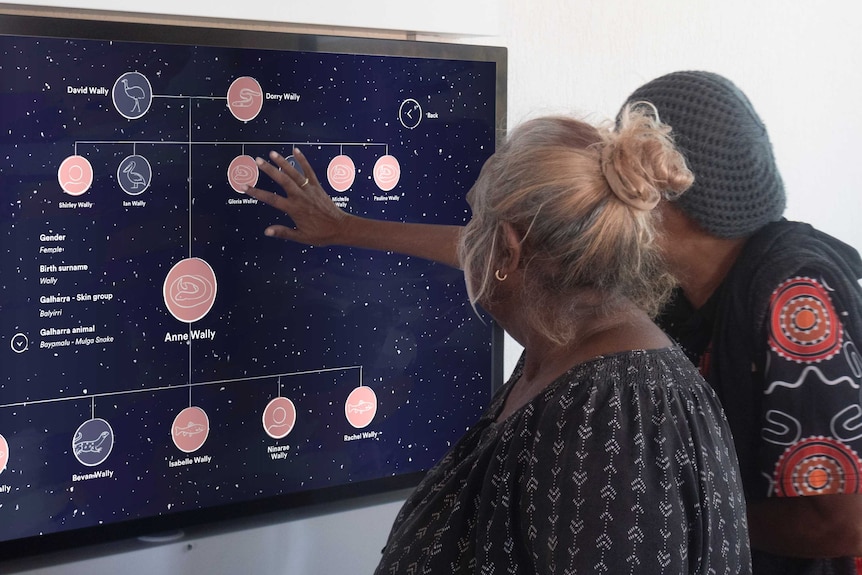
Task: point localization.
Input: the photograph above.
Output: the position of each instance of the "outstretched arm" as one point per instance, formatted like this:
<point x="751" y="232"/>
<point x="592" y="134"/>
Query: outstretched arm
<point x="318" y="221"/>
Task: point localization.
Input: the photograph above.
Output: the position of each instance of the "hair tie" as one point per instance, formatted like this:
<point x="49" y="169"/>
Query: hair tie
<point x="618" y="187"/>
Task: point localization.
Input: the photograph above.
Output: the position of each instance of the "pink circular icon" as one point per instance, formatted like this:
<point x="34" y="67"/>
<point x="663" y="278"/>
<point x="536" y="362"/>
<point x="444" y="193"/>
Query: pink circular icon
<point x="75" y="175"/>
<point x="341" y="173"/>
<point x="279" y="417"/>
<point x="190" y="429"/>
<point x="190" y="289"/>
<point x="360" y="407"/>
<point x="4" y="454"/>
<point x="243" y="170"/>
<point x="387" y="172"/>
<point x="245" y="98"/>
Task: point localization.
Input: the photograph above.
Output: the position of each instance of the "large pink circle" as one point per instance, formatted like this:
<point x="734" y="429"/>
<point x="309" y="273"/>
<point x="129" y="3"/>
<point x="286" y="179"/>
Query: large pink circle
<point x="361" y="406"/>
<point x="190" y="429"/>
<point x="341" y="173"/>
<point x="387" y="172"/>
<point x="190" y="289"/>
<point x="75" y="175"/>
<point x="243" y="170"/>
<point x="245" y="98"/>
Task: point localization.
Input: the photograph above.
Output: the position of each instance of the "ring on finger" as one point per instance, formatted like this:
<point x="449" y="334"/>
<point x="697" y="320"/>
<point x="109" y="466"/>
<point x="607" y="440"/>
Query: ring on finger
<point x="303" y="184"/>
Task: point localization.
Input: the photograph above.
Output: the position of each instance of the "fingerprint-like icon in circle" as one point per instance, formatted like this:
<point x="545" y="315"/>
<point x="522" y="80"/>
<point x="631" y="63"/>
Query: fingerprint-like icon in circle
<point x="190" y="289"/>
<point x="242" y="171"/>
<point x="341" y="173"/>
<point x="93" y="442"/>
<point x="245" y="98"/>
<point x="4" y="453"/>
<point x="387" y="172"/>
<point x="190" y="429"/>
<point x="75" y="175"/>
<point x="279" y="417"/>
<point x="361" y="406"/>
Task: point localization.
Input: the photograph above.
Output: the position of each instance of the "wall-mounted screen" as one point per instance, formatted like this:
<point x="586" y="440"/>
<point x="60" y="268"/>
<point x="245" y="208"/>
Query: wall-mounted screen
<point x="164" y="363"/>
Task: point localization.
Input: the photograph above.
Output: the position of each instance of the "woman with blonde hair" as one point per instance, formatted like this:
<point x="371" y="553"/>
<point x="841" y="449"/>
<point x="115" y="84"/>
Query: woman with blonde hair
<point x="606" y="451"/>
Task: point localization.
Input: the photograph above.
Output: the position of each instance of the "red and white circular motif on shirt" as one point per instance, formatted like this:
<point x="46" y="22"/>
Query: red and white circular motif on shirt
<point x="803" y="326"/>
<point x="818" y="466"/>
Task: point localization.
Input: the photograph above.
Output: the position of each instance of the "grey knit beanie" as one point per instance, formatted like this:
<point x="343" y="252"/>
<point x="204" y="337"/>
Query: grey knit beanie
<point x="737" y="188"/>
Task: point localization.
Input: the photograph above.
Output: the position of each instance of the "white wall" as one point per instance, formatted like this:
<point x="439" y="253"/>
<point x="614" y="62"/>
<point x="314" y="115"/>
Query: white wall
<point x="798" y="62"/>
<point x="439" y="17"/>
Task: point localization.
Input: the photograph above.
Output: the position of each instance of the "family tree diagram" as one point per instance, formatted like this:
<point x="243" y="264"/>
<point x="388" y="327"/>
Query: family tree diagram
<point x="191" y="286"/>
<point x="159" y="355"/>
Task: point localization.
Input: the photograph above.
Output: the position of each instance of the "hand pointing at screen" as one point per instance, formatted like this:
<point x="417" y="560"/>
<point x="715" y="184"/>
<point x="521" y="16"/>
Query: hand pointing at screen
<point x="319" y="222"/>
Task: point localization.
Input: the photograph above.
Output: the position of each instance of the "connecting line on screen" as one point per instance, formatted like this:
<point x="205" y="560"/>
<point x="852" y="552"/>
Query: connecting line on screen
<point x="291" y="143"/>
<point x="288" y="374"/>
<point x="93" y="396"/>
<point x="190" y="288"/>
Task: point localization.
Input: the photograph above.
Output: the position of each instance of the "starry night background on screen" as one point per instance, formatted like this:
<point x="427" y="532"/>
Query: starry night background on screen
<point x="160" y="354"/>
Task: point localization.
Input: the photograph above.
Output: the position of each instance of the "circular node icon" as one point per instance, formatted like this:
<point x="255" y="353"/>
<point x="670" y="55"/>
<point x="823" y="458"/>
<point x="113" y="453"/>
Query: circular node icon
<point x="190" y="429"/>
<point x="410" y="113"/>
<point x="341" y="173"/>
<point x="75" y="175"/>
<point x="93" y="442"/>
<point x="190" y="289"/>
<point x="360" y="407"/>
<point x="387" y="172"/>
<point x="279" y="417"/>
<point x="19" y="343"/>
<point x="245" y="98"/>
<point x="134" y="175"/>
<point x="294" y="163"/>
<point x="132" y="95"/>
<point x="4" y="453"/>
<point x="243" y="170"/>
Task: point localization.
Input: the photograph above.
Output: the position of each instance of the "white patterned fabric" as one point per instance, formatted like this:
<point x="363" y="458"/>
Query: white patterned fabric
<point x="623" y="465"/>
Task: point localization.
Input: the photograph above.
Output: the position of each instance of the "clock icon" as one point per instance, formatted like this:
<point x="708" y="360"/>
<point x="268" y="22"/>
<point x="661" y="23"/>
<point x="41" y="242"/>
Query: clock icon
<point x="410" y="113"/>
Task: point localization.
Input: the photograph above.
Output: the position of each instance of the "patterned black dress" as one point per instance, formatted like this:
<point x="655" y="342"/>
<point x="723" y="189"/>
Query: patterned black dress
<point x="622" y="465"/>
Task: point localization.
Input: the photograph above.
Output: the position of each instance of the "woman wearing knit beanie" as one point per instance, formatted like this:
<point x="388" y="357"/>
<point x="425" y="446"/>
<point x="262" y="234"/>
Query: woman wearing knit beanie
<point x="771" y="312"/>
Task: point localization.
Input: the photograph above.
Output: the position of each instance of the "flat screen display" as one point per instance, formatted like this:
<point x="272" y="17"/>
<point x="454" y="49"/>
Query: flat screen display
<point x="162" y="362"/>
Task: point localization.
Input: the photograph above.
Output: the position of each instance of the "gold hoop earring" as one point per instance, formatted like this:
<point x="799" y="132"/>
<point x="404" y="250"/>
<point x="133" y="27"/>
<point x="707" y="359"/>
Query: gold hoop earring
<point x="500" y="277"/>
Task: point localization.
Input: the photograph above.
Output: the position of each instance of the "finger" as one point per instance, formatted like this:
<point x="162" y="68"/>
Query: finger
<point x="269" y="198"/>
<point x="282" y="232"/>
<point x="306" y="167"/>
<point x="295" y="175"/>
<point x="273" y="172"/>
